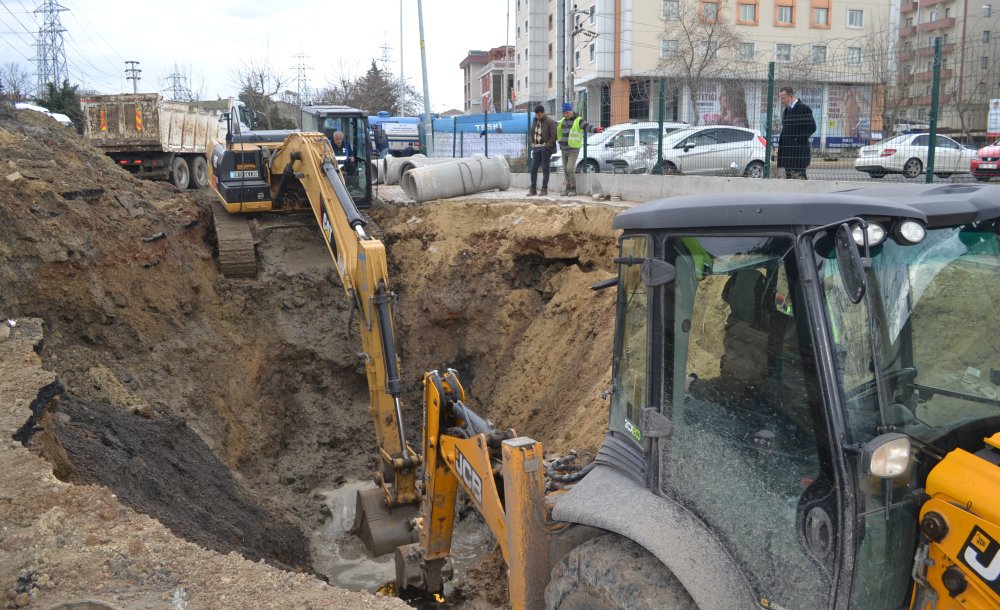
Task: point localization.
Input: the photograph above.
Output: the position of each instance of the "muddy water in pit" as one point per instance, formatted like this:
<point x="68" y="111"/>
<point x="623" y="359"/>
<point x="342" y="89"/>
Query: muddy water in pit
<point x="342" y="558"/>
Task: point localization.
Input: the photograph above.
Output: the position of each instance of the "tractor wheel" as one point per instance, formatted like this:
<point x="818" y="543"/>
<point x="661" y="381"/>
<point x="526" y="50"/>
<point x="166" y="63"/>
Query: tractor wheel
<point x="912" y="168"/>
<point x="613" y="573"/>
<point x="199" y="172"/>
<point x="180" y="174"/>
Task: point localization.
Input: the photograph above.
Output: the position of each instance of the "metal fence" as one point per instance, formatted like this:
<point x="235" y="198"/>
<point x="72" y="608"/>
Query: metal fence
<point x="897" y="109"/>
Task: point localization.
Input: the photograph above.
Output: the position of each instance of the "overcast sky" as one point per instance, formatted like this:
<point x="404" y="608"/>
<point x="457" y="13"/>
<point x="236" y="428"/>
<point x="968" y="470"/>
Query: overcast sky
<point x="210" y="40"/>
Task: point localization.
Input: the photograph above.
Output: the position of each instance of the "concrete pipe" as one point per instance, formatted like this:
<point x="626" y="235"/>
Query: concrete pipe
<point x="389" y="168"/>
<point x="464" y="177"/>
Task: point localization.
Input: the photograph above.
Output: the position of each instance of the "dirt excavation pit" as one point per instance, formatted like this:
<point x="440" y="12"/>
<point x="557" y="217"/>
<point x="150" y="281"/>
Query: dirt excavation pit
<point x="176" y="439"/>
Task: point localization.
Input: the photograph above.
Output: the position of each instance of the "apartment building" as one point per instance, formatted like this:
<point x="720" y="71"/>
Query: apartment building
<point x="472" y="67"/>
<point x="969" y="70"/>
<point x="616" y="53"/>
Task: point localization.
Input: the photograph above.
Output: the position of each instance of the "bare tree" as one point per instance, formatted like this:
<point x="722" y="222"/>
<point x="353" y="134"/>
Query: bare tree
<point x="16" y="82"/>
<point x="889" y="76"/>
<point x="376" y="90"/>
<point x="259" y="84"/>
<point x="700" y="47"/>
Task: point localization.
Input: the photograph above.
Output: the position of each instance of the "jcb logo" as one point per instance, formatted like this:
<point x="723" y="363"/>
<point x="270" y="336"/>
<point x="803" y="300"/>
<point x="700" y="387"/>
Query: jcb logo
<point x="470" y="477"/>
<point x="981" y="554"/>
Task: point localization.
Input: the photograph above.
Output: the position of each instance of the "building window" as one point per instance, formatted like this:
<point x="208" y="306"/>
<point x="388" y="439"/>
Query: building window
<point x="821" y="17"/>
<point x="748" y="13"/>
<point x="550" y="80"/>
<point x="670" y="10"/>
<point x="984" y="63"/>
<point x="550" y="23"/>
<point x="932" y="16"/>
<point x="947" y="13"/>
<point x="709" y="50"/>
<point x="593" y="13"/>
<point x="593" y="52"/>
<point x="550" y="50"/>
<point x="855" y="18"/>
<point x="525" y="83"/>
<point x="745" y="51"/>
<point x="710" y="11"/>
<point x="909" y="22"/>
<point x="785" y="15"/>
<point x="517" y="8"/>
<point x="854" y="55"/>
<point x="518" y="34"/>
<point x="986" y="36"/>
<point x="525" y="27"/>
<point x="518" y="59"/>
<point x="818" y="54"/>
<point x="576" y="59"/>
<point x="987" y="10"/>
<point x="783" y="52"/>
<point x="668" y="47"/>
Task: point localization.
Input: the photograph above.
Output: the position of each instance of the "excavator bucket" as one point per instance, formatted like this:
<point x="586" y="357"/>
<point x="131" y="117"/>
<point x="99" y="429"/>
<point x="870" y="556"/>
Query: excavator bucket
<point x="381" y="528"/>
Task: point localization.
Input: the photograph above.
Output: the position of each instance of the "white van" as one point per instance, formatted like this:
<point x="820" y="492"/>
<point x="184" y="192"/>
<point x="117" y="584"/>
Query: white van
<point x="604" y="147"/>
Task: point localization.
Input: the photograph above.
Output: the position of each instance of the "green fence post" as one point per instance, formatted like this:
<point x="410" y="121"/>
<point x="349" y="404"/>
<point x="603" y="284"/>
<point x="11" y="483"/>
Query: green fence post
<point x="454" y="135"/>
<point x="486" y="132"/>
<point x="768" y="130"/>
<point x="658" y="166"/>
<point x="935" y="90"/>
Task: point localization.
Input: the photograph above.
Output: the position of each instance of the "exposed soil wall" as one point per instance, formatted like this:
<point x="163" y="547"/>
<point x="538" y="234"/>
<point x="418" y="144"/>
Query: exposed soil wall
<point x="217" y="406"/>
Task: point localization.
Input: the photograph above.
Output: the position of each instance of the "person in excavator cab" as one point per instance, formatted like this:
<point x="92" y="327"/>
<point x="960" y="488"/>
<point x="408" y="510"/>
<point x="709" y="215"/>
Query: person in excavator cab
<point x="345" y="156"/>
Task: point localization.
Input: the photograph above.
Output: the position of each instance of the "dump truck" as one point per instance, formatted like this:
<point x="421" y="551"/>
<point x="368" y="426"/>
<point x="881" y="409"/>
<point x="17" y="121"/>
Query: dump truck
<point x="152" y="137"/>
<point x="804" y="406"/>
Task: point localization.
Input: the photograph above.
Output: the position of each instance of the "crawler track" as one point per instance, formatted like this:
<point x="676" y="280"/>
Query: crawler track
<point x="237" y="256"/>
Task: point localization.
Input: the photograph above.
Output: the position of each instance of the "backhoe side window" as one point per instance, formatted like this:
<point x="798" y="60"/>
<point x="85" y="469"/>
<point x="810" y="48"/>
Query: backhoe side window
<point x="749" y="452"/>
<point x="630" y="394"/>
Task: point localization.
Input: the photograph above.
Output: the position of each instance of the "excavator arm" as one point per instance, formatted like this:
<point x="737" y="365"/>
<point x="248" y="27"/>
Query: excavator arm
<point x="304" y="164"/>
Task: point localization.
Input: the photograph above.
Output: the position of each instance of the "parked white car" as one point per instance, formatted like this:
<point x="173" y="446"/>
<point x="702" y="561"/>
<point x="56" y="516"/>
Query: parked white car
<point x="907" y="154"/>
<point x="604" y="147"/>
<point x="708" y="149"/>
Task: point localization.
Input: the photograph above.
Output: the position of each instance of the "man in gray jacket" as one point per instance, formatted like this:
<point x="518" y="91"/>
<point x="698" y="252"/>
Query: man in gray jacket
<point x="543" y="144"/>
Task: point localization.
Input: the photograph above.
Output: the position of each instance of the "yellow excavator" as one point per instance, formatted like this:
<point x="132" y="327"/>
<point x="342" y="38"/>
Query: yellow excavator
<point x="804" y="407"/>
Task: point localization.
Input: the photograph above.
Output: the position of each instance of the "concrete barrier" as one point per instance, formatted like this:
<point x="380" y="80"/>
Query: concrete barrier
<point x="461" y="177"/>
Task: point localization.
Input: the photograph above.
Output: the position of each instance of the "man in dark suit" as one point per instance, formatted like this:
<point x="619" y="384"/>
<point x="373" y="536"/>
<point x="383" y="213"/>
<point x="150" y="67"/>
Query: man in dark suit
<point x="797" y="124"/>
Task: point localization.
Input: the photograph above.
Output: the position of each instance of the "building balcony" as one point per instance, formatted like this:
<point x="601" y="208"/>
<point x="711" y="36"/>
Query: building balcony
<point x="905" y="55"/>
<point x="928" y="75"/>
<point x="907" y="7"/>
<point x="910" y="31"/>
<point x="940" y="24"/>
<point x="929" y="51"/>
<point x="926" y="3"/>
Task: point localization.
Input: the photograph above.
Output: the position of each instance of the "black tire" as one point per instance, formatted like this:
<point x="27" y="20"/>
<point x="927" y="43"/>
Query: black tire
<point x="593" y="167"/>
<point x="198" y="167"/>
<point x="180" y="174"/>
<point x="912" y="168"/>
<point x="613" y="573"/>
<point x="754" y="169"/>
<point x="670" y="169"/>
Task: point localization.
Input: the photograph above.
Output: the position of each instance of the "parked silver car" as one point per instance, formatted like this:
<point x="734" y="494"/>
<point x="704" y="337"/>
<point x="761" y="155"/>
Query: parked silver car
<point x="708" y="149"/>
<point x="603" y="148"/>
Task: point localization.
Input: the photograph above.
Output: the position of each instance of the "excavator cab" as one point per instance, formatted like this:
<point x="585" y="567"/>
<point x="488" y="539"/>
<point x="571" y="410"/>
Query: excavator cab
<point x="359" y="174"/>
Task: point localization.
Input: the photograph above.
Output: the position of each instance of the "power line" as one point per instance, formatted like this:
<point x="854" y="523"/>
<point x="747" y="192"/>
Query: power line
<point x="50" y="52"/>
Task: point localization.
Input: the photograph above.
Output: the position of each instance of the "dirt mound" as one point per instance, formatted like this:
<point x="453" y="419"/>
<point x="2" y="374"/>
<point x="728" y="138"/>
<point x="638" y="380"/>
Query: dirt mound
<point x="174" y="375"/>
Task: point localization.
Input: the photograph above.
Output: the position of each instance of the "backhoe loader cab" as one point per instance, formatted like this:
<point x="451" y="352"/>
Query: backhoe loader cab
<point x="790" y="372"/>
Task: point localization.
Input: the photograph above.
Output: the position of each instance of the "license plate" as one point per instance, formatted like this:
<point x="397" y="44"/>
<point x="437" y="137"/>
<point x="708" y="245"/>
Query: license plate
<point x="242" y="175"/>
<point x="987" y="166"/>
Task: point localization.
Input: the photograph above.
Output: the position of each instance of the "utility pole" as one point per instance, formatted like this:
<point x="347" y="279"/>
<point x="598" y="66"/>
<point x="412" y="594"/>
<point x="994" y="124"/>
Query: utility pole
<point x="132" y="73"/>
<point x="561" y="31"/>
<point x="50" y="53"/>
<point x="428" y="123"/>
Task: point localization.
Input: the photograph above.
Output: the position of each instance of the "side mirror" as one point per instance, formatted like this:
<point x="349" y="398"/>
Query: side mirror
<point x="656" y="272"/>
<point x="886" y="456"/>
<point x="852" y="270"/>
<point x="688" y="146"/>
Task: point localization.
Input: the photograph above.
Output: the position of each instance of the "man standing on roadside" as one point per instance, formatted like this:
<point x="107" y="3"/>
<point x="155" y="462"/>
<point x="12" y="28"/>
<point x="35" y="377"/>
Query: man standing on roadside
<point x="797" y="124"/>
<point x="543" y="144"/>
<point x="570" y="140"/>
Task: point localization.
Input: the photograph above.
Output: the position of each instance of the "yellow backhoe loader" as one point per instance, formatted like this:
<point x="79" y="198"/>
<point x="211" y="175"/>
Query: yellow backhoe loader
<point x="804" y="408"/>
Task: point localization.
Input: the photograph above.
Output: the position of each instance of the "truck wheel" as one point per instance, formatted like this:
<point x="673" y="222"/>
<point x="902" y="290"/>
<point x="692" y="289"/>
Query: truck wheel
<point x="613" y="573"/>
<point x="199" y="172"/>
<point x="180" y="175"/>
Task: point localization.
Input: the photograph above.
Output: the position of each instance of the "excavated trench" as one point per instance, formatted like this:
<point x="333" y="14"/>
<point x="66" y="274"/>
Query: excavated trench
<point x="232" y="410"/>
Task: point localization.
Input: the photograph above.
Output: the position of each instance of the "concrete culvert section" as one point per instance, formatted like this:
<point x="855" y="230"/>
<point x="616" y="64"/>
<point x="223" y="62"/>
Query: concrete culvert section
<point x="179" y="433"/>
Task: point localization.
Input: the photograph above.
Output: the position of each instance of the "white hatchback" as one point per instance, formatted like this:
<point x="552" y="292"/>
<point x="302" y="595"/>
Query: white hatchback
<point x="604" y="147"/>
<point x="707" y="149"/>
